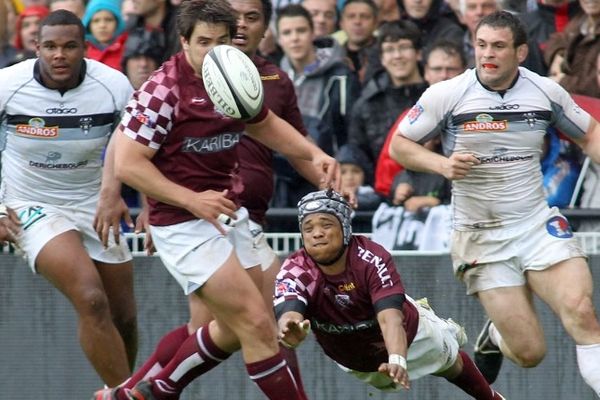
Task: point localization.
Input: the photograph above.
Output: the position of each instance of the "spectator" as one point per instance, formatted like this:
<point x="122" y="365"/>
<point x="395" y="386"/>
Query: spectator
<point x="427" y="16"/>
<point x="7" y="52"/>
<point x="388" y="10"/>
<point x="139" y="60"/>
<point x="443" y="61"/>
<point x="358" y="21"/>
<point x="27" y="29"/>
<point x="391" y="90"/>
<point x="415" y="190"/>
<point x="77" y="7"/>
<point x="471" y="12"/>
<point x="104" y="32"/>
<point x="578" y="45"/>
<point x="357" y="174"/>
<point x="550" y="16"/>
<point x="58" y="125"/>
<point x="154" y="21"/>
<point x="326" y="89"/>
<point x="348" y="288"/>
<point x="324" y="16"/>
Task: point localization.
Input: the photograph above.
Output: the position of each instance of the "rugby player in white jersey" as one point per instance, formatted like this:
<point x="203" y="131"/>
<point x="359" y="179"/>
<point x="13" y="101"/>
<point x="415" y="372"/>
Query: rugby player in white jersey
<point x="59" y="111"/>
<point x="507" y="243"/>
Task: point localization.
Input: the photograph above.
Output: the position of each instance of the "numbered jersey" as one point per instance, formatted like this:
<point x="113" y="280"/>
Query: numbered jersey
<point x="53" y="142"/>
<point x="505" y="131"/>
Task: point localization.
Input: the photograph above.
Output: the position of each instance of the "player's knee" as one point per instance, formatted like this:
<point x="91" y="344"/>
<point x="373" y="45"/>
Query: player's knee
<point x="93" y="303"/>
<point x="578" y="311"/>
<point x="262" y="328"/>
<point x="531" y="356"/>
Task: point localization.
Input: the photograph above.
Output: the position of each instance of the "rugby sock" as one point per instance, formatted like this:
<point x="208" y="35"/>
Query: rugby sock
<point x="471" y="381"/>
<point x="588" y="359"/>
<point x="165" y="350"/>
<point x="292" y="361"/>
<point x="495" y="336"/>
<point x="274" y="378"/>
<point x="197" y="355"/>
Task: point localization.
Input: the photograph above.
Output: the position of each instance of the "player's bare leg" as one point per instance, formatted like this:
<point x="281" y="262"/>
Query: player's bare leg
<point x="567" y="288"/>
<point x="241" y="320"/>
<point x="118" y="285"/>
<point x="66" y="264"/>
<point x="513" y="314"/>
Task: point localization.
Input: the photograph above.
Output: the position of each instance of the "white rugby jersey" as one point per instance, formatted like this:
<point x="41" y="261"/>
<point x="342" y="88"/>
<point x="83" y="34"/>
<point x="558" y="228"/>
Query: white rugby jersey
<point x="53" y="143"/>
<point x="506" y="132"/>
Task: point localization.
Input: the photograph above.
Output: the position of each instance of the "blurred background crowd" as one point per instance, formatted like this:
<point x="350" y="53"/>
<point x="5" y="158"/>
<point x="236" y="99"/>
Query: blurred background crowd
<point x="357" y="66"/>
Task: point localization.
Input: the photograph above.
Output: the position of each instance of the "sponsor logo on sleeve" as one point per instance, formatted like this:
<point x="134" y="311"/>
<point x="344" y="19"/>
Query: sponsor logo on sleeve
<point x="144" y="119"/>
<point x="414" y="113"/>
<point x="485" y="122"/>
<point x="36" y="127"/>
<point x="284" y="286"/>
<point x="379" y="264"/>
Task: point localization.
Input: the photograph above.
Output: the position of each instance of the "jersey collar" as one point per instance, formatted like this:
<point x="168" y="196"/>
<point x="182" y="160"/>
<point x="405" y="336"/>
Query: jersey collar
<point x="500" y="92"/>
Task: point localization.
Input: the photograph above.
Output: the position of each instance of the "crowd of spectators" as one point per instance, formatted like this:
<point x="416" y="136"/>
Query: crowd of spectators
<point x="356" y="65"/>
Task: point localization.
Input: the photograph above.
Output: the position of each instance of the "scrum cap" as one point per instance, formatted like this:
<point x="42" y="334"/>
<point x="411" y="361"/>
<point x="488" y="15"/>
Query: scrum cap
<point x="329" y="202"/>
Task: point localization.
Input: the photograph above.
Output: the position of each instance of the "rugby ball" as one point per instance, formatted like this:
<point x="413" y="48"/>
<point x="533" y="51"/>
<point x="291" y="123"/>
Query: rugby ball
<point x="232" y="82"/>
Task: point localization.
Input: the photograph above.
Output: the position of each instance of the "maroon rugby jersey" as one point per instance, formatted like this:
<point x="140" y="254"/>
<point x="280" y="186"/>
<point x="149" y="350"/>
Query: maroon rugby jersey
<point x="256" y="160"/>
<point x="342" y="308"/>
<point x="196" y="144"/>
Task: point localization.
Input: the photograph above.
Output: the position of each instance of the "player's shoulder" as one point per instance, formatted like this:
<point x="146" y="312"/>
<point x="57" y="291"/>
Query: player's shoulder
<point x="449" y="87"/>
<point x="363" y="248"/>
<point x="268" y="71"/>
<point x="543" y="83"/>
<point x="99" y="70"/>
<point x="17" y="74"/>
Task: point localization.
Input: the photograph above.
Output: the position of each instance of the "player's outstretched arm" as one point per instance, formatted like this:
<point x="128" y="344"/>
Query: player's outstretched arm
<point x="590" y="143"/>
<point x="289" y="142"/>
<point x="390" y="322"/>
<point x="417" y="158"/>
<point x="293" y="329"/>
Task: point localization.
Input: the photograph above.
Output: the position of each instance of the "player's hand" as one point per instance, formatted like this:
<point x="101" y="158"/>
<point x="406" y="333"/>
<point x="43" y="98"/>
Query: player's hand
<point x="293" y="331"/>
<point x="10" y="225"/>
<point x="331" y="178"/>
<point x="213" y="207"/>
<point x="403" y="191"/>
<point x="142" y="224"/>
<point x="458" y="165"/>
<point x="109" y="212"/>
<point x="398" y="374"/>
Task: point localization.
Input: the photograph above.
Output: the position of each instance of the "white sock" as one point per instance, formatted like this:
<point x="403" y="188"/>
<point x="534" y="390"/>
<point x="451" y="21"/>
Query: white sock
<point x="588" y="359"/>
<point x="495" y="336"/>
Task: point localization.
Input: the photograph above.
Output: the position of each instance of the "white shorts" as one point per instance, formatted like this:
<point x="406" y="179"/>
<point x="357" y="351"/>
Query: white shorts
<point x="265" y="252"/>
<point x="434" y="349"/>
<point x="493" y="258"/>
<point x="193" y="250"/>
<point x="42" y="223"/>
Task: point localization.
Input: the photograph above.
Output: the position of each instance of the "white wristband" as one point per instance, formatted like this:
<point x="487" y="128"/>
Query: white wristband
<point x="3" y="211"/>
<point x="398" y="360"/>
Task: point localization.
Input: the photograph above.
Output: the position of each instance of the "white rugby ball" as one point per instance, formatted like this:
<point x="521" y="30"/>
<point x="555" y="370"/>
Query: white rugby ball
<point x="232" y="82"/>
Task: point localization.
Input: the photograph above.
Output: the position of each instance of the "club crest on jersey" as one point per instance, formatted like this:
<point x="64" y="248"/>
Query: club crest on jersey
<point x="414" y="113"/>
<point x="85" y="123"/>
<point x="559" y="227"/>
<point x="36" y="127"/>
<point x="343" y="300"/>
<point x="485" y="122"/>
<point x="283" y="286"/>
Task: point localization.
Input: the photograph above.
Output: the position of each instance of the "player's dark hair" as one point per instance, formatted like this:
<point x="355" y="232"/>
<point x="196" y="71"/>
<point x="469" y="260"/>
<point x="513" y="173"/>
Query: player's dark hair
<point x="397" y="30"/>
<point x="294" y="10"/>
<point x="62" y="17"/>
<point x="504" y="19"/>
<point x="449" y="47"/>
<point x="267" y="8"/>
<point x="209" y="11"/>
<point x="370" y="3"/>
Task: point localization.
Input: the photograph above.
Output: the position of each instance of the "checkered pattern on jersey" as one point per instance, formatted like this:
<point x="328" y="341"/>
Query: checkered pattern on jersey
<point x="148" y="117"/>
